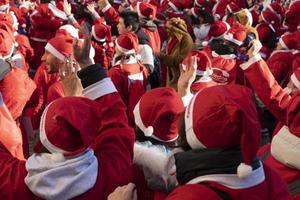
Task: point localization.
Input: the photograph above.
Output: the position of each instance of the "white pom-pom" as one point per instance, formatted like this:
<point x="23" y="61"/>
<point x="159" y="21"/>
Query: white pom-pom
<point x="138" y="57"/>
<point x="148" y="131"/>
<point x="205" y="43"/>
<point x="23" y="25"/>
<point x="243" y="170"/>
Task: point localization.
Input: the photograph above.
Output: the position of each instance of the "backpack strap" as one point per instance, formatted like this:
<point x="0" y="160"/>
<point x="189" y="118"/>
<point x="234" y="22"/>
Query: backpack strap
<point x="294" y="187"/>
<point x="224" y="195"/>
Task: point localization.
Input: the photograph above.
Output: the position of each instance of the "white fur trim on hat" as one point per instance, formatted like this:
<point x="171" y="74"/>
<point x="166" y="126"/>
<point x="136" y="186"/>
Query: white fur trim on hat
<point x="54" y="52"/>
<point x="71" y="30"/>
<point x="148" y="131"/>
<point x="251" y="61"/>
<point x="295" y="81"/>
<point x="243" y="170"/>
<point x="230" y="38"/>
<point x="282" y="43"/>
<point x="285" y="148"/>
<point x="191" y="137"/>
<point x="173" y="6"/>
<point x="43" y="136"/>
<point x="95" y="36"/>
<point x="9" y="54"/>
<point x="138" y="9"/>
<point x="123" y="50"/>
<point x="99" y="89"/>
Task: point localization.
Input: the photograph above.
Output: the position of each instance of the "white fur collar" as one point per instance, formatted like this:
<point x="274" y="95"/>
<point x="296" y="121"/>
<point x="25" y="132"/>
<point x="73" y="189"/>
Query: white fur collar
<point x="232" y="180"/>
<point x="228" y="56"/>
<point x="285" y="148"/>
<point x="53" y="176"/>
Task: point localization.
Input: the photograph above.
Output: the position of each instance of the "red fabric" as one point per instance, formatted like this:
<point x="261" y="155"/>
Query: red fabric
<point x="37" y="102"/>
<point x="112" y="15"/>
<point x="154" y="40"/>
<point x="55" y="91"/>
<point x="16" y="89"/>
<point x="280" y="64"/>
<point x="272" y="188"/>
<point x="103" y="54"/>
<point x="113" y="146"/>
<point x="130" y="91"/>
<point x="288" y="174"/>
<point x="269" y="91"/>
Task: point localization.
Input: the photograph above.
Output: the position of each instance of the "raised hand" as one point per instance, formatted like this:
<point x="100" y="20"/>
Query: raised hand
<point x="187" y="75"/>
<point x="91" y="7"/>
<point x="102" y="3"/>
<point x="67" y="8"/>
<point x="82" y="53"/>
<point x="254" y="48"/>
<point x="69" y="78"/>
<point x="126" y="192"/>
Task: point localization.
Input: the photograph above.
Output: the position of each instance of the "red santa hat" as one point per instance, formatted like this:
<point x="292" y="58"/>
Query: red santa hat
<point x="60" y="46"/>
<point x="6" y="44"/>
<point x="295" y="78"/>
<point x="271" y="18"/>
<point x="61" y="127"/>
<point x="127" y="43"/>
<point x="219" y="9"/>
<point x="218" y="29"/>
<point x="198" y="11"/>
<point x="146" y="10"/>
<point x="292" y="15"/>
<point x="68" y="29"/>
<point x="288" y="41"/>
<point x="180" y="5"/>
<point x="224" y="117"/>
<point x="277" y="9"/>
<point x="203" y="62"/>
<point x="236" y="34"/>
<point x="4" y="2"/>
<point x="232" y="7"/>
<point x="6" y="21"/>
<point x="157" y="114"/>
<point x="101" y="32"/>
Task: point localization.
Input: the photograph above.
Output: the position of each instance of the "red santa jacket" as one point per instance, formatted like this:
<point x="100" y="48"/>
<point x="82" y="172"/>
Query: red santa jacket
<point x="104" y="53"/>
<point x="288" y="174"/>
<point x="154" y="40"/>
<point x="37" y="102"/>
<point x="130" y="80"/>
<point x="16" y="89"/>
<point x="113" y="146"/>
<point x="55" y="91"/>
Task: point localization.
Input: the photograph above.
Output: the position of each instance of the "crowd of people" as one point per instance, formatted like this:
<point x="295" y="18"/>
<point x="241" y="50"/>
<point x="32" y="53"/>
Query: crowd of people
<point x="150" y="99"/>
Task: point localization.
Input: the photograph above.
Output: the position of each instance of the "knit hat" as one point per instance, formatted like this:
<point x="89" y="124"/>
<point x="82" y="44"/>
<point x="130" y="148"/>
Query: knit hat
<point x="157" y="114"/>
<point x="62" y="129"/>
<point x="224" y="117"/>
<point x="101" y="32"/>
<point x="146" y="10"/>
<point x="295" y="78"/>
<point x="127" y="43"/>
<point x="60" y="46"/>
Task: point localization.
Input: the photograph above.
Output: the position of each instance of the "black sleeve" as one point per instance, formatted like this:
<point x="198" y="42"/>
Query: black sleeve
<point x="91" y="74"/>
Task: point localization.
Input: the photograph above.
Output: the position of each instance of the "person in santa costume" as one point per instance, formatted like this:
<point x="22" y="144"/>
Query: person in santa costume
<point x="219" y="160"/>
<point x="74" y="153"/>
<point x="179" y="45"/>
<point x="156" y="116"/>
<point x="128" y="74"/>
<point x="45" y="21"/>
<point x="292" y="16"/>
<point x="281" y="155"/>
<point x="128" y="22"/>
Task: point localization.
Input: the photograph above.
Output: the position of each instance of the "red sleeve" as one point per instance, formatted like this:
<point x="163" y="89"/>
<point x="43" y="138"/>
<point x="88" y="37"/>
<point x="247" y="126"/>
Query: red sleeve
<point x="55" y="91"/>
<point x="120" y="82"/>
<point x="25" y="47"/>
<point x="112" y="15"/>
<point x="12" y="175"/>
<point x="266" y="87"/>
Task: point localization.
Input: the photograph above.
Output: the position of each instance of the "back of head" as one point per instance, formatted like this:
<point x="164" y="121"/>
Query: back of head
<point x="130" y="19"/>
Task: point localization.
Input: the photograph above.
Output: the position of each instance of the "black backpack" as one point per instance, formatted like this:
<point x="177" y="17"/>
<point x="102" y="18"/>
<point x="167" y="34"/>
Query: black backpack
<point x="155" y="76"/>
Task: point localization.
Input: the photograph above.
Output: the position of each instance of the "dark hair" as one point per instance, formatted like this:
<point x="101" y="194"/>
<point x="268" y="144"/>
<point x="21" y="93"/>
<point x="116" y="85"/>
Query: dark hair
<point x="223" y="47"/>
<point x="182" y="135"/>
<point x="130" y="18"/>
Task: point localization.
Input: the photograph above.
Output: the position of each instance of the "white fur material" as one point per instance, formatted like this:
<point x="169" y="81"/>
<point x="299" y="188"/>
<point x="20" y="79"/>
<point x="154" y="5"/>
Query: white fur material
<point x="71" y="30"/>
<point x="251" y="61"/>
<point x="54" y="51"/>
<point x="95" y="36"/>
<point x="159" y="167"/>
<point x="285" y="147"/>
<point x="148" y="131"/>
<point x="187" y="99"/>
<point x="295" y="80"/>
<point x="243" y="170"/>
<point x="53" y="176"/>
<point x="191" y="137"/>
<point x="99" y="89"/>
<point x="232" y="180"/>
<point x="56" y="12"/>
